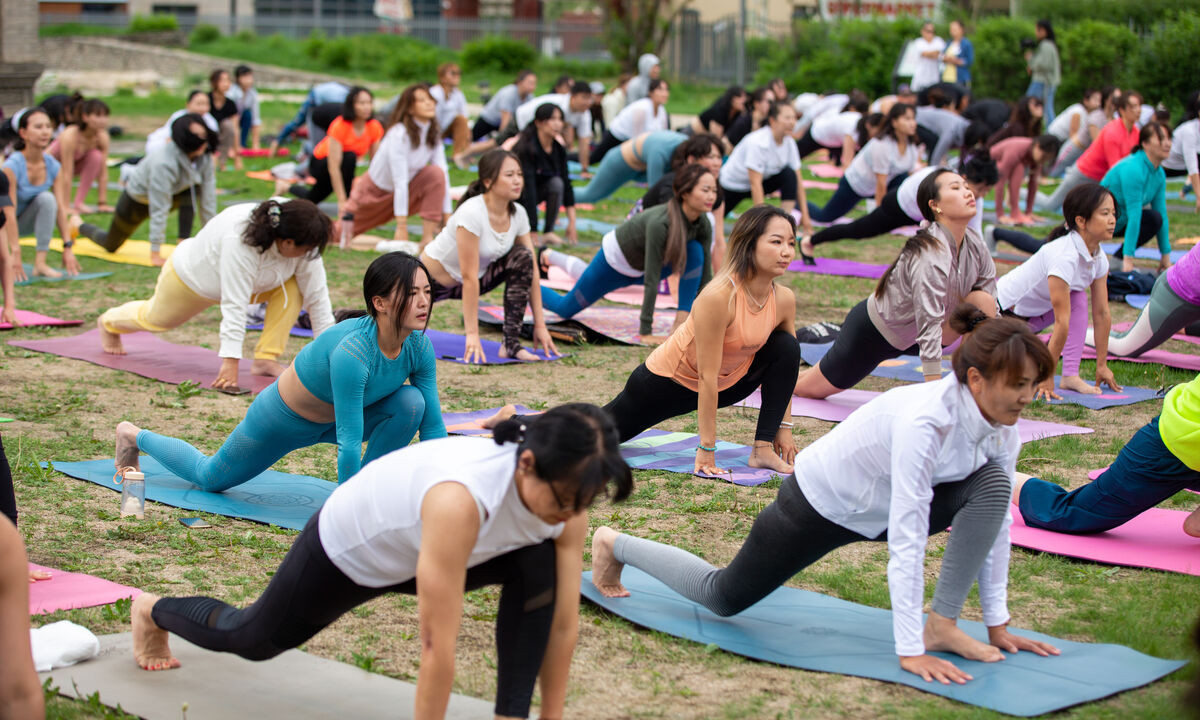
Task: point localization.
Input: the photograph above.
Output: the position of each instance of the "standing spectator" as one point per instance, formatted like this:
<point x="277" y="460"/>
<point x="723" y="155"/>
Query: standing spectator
<point x="245" y="96"/>
<point x="649" y="68"/>
<point x="1139" y="187"/>
<point x="929" y="49"/>
<point x="452" y="106"/>
<point x="1044" y="68"/>
<point x="958" y="57"/>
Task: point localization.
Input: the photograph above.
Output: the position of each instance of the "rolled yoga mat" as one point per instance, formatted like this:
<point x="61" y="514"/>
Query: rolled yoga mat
<point x="274" y="498"/>
<point x="27" y="318"/>
<point x="630" y="295"/>
<point x="811" y="631"/>
<point x="619" y="324"/>
<point x="32" y="279"/>
<point x="131" y="252"/>
<point x="147" y="355"/>
<point x="219" y="686"/>
<point x="68" y="591"/>
<point x="833" y="266"/>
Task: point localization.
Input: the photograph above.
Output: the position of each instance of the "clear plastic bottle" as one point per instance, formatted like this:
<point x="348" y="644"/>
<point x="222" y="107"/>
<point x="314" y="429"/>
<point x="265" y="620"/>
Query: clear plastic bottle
<point x="133" y="494"/>
<point x="347" y="231"/>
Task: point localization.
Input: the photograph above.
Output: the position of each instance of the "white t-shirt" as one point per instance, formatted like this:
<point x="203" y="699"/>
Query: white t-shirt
<point x="830" y="104"/>
<point x="906" y="194"/>
<point x="831" y="129"/>
<point x="472" y="216"/>
<point x="581" y="121"/>
<point x="1061" y="127"/>
<point x="370" y="527"/>
<point x="925" y="71"/>
<point x="397" y="162"/>
<point x="880" y="156"/>
<point x="1024" y="290"/>
<point x="161" y="136"/>
<point x="1185" y="145"/>
<point x="758" y="151"/>
<point x="448" y="108"/>
<point x="639" y="117"/>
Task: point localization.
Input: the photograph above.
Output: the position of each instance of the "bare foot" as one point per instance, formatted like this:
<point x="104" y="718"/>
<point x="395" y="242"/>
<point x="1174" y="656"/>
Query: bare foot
<point x="1191" y="524"/>
<point x="74" y="223"/>
<point x="501" y="415"/>
<point x="763" y="456"/>
<point x="606" y="571"/>
<point x="523" y="355"/>
<point x="83" y="209"/>
<point x="267" y="368"/>
<point x="150" y="648"/>
<point x="1078" y="384"/>
<point x="127" y="447"/>
<point x="110" y="342"/>
<point x="44" y="270"/>
<point x="943" y="635"/>
<point x="156" y="259"/>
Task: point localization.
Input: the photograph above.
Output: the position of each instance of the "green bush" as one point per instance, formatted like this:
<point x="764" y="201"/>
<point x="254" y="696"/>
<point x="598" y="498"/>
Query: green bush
<point x="498" y="53"/>
<point x="246" y="36"/>
<point x="1094" y="54"/>
<point x="337" y="53"/>
<point x="153" y="23"/>
<point x="1141" y="14"/>
<point x="999" y="62"/>
<point x="314" y="44"/>
<point x="1157" y="71"/>
<point x="414" y="59"/>
<point x="549" y="68"/>
<point x="203" y="34"/>
<point x="77" y="29"/>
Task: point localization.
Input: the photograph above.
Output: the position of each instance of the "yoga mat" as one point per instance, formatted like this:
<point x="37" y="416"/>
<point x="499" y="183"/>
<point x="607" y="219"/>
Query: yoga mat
<point x="838" y="407"/>
<point x="583" y="224"/>
<point x="631" y="295"/>
<point x="468" y="423"/>
<point x="833" y="266"/>
<point x="147" y="355"/>
<point x="1123" y="326"/>
<point x="263" y="152"/>
<point x="272" y="497"/>
<point x="31" y="278"/>
<point x="132" y="252"/>
<point x="1137" y="301"/>
<point x="27" y="318"/>
<point x="1155" y="539"/>
<point x="905" y="230"/>
<point x="807" y="630"/>
<point x="451" y="347"/>
<point x="1157" y="355"/>
<point x="619" y="324"/>
<point x="1145" y="252"/>
<point x="907" y="368"/>
<point x="819" y="185"/>
<point x="825" y="170"/>
<point x="219" y="686"/>
<point x="68" y="591"/>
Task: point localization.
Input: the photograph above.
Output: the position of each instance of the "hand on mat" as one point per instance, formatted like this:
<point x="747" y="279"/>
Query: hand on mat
<point x="473" y="352"/>
<point x="18" y="269"/>
<point x="1045" y="391"/>
<point x="785" y="445"/>
<point x="1006" y="641"/>
<point x="1127" y="264"/>
<point x="934" y="668"/>
<point x="706" y="464"/>
<point x="572" y="234"/>
<point x="1164" y="262"/>
<point x="1105" y="375"/>
<point x="70" y="264"/>
<point x="541" y="338"/>
<point x="36" y="575"/>
<point x="227" y="376"/>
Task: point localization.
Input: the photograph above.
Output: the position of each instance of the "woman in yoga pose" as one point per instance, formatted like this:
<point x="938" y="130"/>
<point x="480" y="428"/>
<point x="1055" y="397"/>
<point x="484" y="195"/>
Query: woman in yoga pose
<point x="643" y="158"/>
<point x="345" y="387"/>
<point x="669" y="239"/>
<point x="486" y="242"/>
<point x="764" y="161"/>
<point x="1014" y="157"/>
<point x="648" y="114"/>
<point x="82" y="149"/>
<point x="705" y="150"/>
<point x="353" y="134"/>
<point x="904" y="466"/>
<point x="547" y="180"/>
<point x="720" y="116"/>
<point x="938" y="268"/>
<point x="1050" y="288"/>
<point x="434" y="520"/>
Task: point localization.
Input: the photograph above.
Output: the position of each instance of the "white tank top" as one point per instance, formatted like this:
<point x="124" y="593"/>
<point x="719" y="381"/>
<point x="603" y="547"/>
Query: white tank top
<point x="370" y="527"/>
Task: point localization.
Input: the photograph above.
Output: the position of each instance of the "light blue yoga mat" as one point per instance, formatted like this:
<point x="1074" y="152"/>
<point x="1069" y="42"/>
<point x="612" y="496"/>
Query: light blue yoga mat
<point x="587" y="225"/>
<point x="807" y="630"/>
<point x="273" y="497"/>
<point x="31" y="278"/>
<point x="1137" y="301"/>
<point x="1146" y="252"/>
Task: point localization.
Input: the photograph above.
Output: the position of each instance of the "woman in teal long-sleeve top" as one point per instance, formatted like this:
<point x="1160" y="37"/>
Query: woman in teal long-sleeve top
<point x="1136" y="182"/>
<point x="370" y="378"/>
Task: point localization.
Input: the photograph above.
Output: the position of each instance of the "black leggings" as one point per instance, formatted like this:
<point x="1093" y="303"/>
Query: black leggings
<point x="1021" y="241"/>
<point x="929" y="139"/>
<point x="784" y="182"/>
<point x="807" y="146"/>
<point x="648" y="399"/>
<point x="308" y="593"/>
<point x="1151" y="222"/>
<point x="319" y="169"/>
<point x="515" y="270"/>
<point x="858" y="350"/>
<point x="8" y="498"/>
<point x="130" y="213"/>
<point x="482" y="129"/>
<point x="549" y="189"/>
<point x="883" y="219"/>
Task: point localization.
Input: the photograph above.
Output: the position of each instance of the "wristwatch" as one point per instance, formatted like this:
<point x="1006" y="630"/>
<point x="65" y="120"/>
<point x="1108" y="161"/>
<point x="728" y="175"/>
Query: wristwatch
<point x="68" y="244"/>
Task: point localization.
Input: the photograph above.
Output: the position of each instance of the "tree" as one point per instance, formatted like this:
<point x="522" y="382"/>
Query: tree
<point x="634" y="27"/>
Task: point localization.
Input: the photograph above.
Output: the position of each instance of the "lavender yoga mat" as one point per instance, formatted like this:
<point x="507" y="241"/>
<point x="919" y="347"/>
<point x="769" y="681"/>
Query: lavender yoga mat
<point x="630" y="295"/>
<point x="26" y="318"/>
<point x="833" y="266"/>
<point x="1154" y="539"/>
<point x="1157" y="355"/>
<point x="619" y="324"/>
<point x="147" y="355"/>
<point x="451" y="347"/>
<point x="68" y="591"/>
<point x="1137" y="301"/>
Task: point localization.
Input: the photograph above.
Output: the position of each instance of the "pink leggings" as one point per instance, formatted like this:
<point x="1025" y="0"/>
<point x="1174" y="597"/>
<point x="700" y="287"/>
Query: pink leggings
<point x="88" y="167"/>
<point x="1076" y="331"/>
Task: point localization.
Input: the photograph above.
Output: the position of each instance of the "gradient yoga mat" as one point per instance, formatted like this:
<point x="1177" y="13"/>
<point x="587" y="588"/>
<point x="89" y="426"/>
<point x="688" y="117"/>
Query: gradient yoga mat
<point x="32" y="279"/>
<point x="28" y="318"/>
<point x="1155" y="539"/>
<point x="837" y="408"/>
<point x="619" y="324"/>
<point x="1157" y="355"/>
<point x="68" y="591"/>
<point x="132" y="252"/>
<point x="631" y="295"/>
<point x="907" y="368"/>
<point x="147" y="355"/>
<point x="833" y="266"/>
<point x="807" y="630"/>
<point x="272" y="497"/>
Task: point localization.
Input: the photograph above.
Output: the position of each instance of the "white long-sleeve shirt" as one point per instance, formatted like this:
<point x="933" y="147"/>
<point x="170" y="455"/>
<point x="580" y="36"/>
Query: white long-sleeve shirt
<point x="397" y="162"/>
<point x="218" y="265"/>
<point x="877" y="469"/>
<point x="448" y="108"/>
<point x="1184" y="148"/>
<point x="639" y="117"/>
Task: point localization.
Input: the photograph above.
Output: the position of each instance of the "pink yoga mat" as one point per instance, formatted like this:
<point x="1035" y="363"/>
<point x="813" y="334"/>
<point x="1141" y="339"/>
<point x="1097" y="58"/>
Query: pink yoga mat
<point x="833" y="266"/>
<point x="1123" y="326"/>
<point x="632" y="295"/>
<point x="819" y="185"/>
<point x="1157" y="355"/>
<point x="27" y="318"/>
<point x="67" y="591"/>
<point x="825" y="170"/>
<point x="147" y="355"/>
<point x="1154" y="539"/>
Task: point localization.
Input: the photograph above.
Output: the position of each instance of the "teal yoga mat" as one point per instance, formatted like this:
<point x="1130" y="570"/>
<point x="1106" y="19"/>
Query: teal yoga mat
<point x="811" y="631"/>
<point x="273" y="497"/>
<point x="31" y="278"/>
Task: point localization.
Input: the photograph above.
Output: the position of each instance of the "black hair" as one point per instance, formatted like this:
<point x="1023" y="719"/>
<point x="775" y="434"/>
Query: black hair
<point x="580" y="88"/>
<point x="723" y="107"/>
<point x="193" y="94"/>
<point x="215" y="75"/>
<point x="18" y="144"/>
<point x="743" y="240"/>
<point x="863" y="129"/>
<point x="528" y="136"/>
<point x="699" y="145"/>
<point x="1126" y="99"/>
<point x="403" y="113"/>
<point x="351" y="97"/>
<point x="489" y="169"/>
<point x="1082" y="201"/>
<point x="1152" y="129"/>
<point x="654" y="84"/>
<point x="889" y="123"/>
<point x="923" y="239"/>
<point x="392" y="273"/>
<point x="981" y="170"/>
<point x="937" y="97"/>
<point x="94" y="106"/>
<point x="297" y="220"/>
<point x="241" y="70"/>
<point x="996" y="346"/>
<point x="686" y="179"/>
<point x="777" y="107"/>
<point x="858" y="102"/>
<point x="758" y="95"/>
<point x="188" y="141"/>
<point x="1191" y="109"/>
<point x="1044" y="24"/>
<point x="61" y="108"/>
<point x="563" y="80"/>
<point x="975" y="139"/>
<point x="576" y="446"/>
<point x="1049" y="145"/>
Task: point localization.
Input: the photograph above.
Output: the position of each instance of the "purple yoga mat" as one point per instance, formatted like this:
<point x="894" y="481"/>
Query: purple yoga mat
<point x="27" y="318"/>
<point x="615" y="323"/>
<point x="833" y="266"/>
<point x="147" y="355"/>
<point x="450" y="347"/>
<point x="467" y="423"/>
<point x="1157" y="355"/>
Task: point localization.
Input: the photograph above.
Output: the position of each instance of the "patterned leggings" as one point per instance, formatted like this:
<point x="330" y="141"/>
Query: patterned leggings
<point x="515" y="270"/>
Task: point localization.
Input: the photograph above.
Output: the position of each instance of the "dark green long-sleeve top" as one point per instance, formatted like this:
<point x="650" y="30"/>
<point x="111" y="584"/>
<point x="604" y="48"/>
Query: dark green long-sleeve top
<point x="643" y="240"/>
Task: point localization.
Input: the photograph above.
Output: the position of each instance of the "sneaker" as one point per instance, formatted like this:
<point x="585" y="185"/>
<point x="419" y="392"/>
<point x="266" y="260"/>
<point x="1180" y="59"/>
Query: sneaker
<point x="989" y="237"/>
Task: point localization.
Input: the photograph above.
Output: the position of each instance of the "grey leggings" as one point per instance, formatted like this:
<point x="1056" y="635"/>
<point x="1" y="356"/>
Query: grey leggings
<point x="789" y="535"/>
<point x="39" y="217"/>
<point x="1165" y="315"/>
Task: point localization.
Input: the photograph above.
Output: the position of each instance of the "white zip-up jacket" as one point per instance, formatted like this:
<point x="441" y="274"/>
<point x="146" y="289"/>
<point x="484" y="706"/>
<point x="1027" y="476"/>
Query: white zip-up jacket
<point x="877" y="469"/>
<point x="218" y="265"/>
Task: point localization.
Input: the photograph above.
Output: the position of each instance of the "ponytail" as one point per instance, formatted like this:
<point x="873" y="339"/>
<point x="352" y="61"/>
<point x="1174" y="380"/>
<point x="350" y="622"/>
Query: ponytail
<point x="996" y="346"/>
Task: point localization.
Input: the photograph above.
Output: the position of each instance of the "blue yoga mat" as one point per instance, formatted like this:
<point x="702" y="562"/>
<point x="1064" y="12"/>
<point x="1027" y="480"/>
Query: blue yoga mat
<point x="273" y="497"/>
<point x="1145" y="252"/>
<point x="587" y="224"/>
<point x="450" y="347"/>
<point x="1137" y="301"/>
<point x="31" y="279"/>
<point x="807" y="630"/>
<point x="907" y="368"/>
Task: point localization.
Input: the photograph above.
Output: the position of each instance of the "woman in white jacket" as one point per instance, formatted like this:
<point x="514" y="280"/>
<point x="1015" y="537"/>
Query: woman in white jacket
<point x="266" y="253"/>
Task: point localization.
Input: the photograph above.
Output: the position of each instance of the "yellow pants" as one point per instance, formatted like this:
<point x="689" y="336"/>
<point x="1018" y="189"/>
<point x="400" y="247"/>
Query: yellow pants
<point x="174" y="303"/>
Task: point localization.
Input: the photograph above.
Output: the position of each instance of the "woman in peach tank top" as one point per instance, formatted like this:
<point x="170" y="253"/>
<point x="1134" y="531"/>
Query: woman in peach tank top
<point x="740" y="335"/>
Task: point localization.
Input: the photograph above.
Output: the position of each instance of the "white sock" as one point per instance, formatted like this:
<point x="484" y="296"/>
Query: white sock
<point x="569" y="264"/>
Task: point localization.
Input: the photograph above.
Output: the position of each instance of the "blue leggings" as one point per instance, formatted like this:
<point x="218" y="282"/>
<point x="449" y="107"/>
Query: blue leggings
<point x="844" y="199"/>
<point x="271" y="430"/>
<point x="600" y="279"/>
<point x="1144" y="474"/>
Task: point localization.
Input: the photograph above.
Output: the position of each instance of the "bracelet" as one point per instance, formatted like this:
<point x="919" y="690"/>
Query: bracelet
<point x="787" y="424"/>
<point x="700" y="446"/>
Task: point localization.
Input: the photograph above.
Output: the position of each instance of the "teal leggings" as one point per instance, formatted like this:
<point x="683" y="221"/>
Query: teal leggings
<point x="271" y="430"/>
<point x="614" y="172"/>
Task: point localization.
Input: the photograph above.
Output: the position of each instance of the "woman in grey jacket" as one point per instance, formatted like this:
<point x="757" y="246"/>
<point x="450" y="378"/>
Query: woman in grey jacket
<point x="1044" y="68"/>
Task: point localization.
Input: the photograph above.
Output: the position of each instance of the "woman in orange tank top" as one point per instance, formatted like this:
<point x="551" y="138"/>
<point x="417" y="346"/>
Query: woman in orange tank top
<point x="739" y="336"/>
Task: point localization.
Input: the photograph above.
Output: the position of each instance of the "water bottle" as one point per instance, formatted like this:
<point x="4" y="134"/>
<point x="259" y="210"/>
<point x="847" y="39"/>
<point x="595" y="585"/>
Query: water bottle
<point x="347" y="231"/>
<point x="133" y="494"/>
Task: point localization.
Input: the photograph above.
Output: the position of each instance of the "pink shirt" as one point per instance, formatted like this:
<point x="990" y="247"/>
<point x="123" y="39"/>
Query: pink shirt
<point x="1184" y="276"/>
<point x="1012" y="160"/>
<point x="1112" y="144"/>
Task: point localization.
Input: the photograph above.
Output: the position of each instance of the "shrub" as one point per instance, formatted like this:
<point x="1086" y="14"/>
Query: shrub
<point x="1157" y="71"/>
<point x="1094" y="53"/>
<point x="1140" y="14"/>
<point x="414" y="59"/>
<point x="337" y="53"/>
<point x="204" y="33"/>
<point x="498" y="53"/>
<point x="153" y="23"/>
<point x="999" y="62"/>
<point x="314" y="44"/>
<point x="581" y="69"/>
<point x="246" y="36"/>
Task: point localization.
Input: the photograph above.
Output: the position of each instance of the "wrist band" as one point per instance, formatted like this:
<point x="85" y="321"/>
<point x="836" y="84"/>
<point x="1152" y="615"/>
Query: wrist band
<point x="787" y="424"/>
<point x="700" y="446"/>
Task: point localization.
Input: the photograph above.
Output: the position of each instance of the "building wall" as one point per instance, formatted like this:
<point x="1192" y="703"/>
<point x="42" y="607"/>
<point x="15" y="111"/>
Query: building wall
<point x="245" y="8"/>
<point x="19" y="53"/>
<point x="763" y="17"/>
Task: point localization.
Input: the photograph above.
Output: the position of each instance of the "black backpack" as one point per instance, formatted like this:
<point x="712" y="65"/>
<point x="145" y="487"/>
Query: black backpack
<point x="1134" y="282"/>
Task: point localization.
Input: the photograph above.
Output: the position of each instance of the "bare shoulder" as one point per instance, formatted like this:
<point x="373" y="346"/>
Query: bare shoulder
<point x="785" y="297"/>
